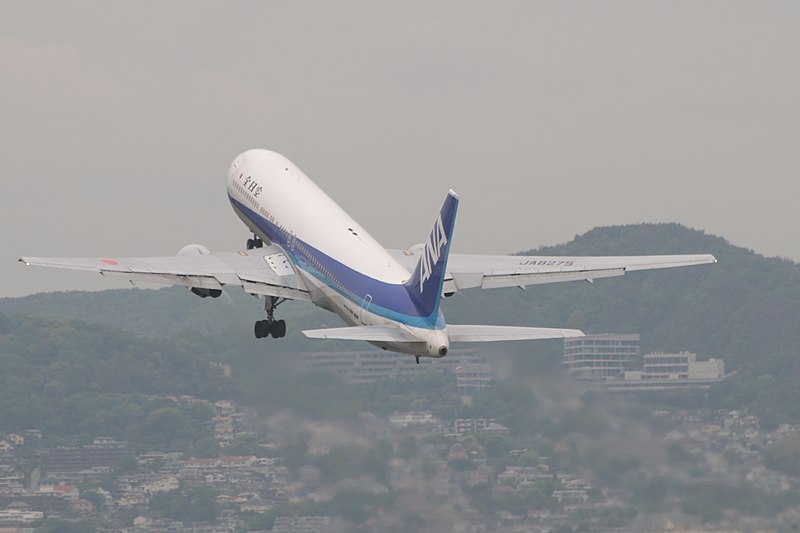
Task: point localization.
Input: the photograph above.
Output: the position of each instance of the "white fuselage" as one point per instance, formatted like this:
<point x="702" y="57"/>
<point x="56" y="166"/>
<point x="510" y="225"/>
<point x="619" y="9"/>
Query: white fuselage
<point x="343" y="266"/>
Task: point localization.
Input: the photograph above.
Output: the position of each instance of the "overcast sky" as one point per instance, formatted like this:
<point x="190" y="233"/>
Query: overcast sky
<point x="118" y="120"/>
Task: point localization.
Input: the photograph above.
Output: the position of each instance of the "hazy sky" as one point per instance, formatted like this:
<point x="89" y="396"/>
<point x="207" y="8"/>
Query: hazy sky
<point x="118" y="120"/>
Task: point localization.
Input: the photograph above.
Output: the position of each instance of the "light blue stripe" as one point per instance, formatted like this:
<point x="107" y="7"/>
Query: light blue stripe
<point x="383" y="294"/>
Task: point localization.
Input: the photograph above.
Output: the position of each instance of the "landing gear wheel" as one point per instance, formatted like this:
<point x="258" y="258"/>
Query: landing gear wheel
<point x="255" y="242"/>
<point x="261" y="329"/>
<point x="278" y="329"/>
<point x="417" y="360"/>
<point x="270" y="326"/>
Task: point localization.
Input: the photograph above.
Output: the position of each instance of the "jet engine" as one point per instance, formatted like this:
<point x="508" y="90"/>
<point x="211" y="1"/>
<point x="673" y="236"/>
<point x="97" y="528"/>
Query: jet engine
<point x="199" y="249"/>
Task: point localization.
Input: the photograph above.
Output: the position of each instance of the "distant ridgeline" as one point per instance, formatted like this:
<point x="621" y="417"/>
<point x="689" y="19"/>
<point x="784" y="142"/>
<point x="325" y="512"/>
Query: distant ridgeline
<point x="746" y="309"/>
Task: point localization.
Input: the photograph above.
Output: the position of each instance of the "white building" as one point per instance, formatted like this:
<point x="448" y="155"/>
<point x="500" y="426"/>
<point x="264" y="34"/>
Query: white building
<point x="369" y="366"/>
<point x="663" y="371"/>
<point x="471" y="378"/>
<point x="603" y="356"/>
<point x="683" y="365"/>
<point x="162" y="484"/>
<point x="414" y="419"/>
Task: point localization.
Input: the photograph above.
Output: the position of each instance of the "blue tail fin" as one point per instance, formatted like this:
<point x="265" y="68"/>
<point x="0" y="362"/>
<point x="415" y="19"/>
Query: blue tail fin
<point x="427" y="279"/>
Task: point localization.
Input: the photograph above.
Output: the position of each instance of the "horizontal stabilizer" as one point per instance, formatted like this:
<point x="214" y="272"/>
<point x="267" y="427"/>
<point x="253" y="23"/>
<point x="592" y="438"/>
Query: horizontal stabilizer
<point x="362" y="333"/>
<point x="463" y="333"/>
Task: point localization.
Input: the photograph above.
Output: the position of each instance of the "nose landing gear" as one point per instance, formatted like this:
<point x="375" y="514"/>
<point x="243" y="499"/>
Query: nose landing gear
<point x="270" y="326"/>
<point x="255" y="242"/>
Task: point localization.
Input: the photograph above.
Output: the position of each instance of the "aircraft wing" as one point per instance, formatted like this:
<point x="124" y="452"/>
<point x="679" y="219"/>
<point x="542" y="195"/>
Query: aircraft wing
<point x="261" y="271"/>
<point x="494" y="271"/>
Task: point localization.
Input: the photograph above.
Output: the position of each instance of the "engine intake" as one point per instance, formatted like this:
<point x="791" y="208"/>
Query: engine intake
<point x="194" y="249"/>
<point x="206" y="293"/>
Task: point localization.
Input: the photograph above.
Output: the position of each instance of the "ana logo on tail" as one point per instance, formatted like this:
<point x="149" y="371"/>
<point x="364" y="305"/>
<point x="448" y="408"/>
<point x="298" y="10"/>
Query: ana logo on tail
<point x="433" y="250"/>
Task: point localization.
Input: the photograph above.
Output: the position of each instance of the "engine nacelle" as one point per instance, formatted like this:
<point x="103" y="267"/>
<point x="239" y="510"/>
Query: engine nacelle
<point x="194" y="249"/>
<point x="206" y="293"/>
<point x="199" y="249"/>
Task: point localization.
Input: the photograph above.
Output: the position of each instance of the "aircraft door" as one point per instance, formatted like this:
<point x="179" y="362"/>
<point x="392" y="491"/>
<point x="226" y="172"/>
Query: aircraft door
<point x="365" y="308"/>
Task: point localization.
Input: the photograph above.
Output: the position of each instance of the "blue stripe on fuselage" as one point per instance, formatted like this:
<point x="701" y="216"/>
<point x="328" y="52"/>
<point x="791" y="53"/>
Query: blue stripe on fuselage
<point x="389" y="300"/>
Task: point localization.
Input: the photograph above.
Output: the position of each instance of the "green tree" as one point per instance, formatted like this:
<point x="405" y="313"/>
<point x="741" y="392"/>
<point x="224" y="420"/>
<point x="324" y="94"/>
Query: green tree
<point x="784" y="455"/>
<point x="610" y="468"/>
<point x="57" y="525"/>
<point x="246" y="445"/>
<point x="126" y="465"/>
<point x="341" y="462"/>
<point x="407" y="447"/>
<point x="206" y="447"/>
<point x="295" y="454"/>
<point x="530" y="458"/>
<point x="193" y="505"/>
<point x="357" y="505"/>
<point x="498" y="446"/>
<point x="377" y="461"/>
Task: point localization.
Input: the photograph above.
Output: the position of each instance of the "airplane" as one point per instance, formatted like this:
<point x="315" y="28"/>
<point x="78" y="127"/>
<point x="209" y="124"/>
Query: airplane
<point x="305" y="247"/>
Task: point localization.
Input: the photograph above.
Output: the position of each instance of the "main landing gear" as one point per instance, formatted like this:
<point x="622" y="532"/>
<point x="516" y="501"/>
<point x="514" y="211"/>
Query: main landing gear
<point x="255" y="242"/>
<point x="270" y="326"/>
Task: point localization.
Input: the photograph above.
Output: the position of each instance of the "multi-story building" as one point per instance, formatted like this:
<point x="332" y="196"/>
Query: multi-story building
<point x="371" y="365"/>
<point x="100" y="456"/>
<point x="472" y="378"/>
<point x="683" y="365"/>
<point x="303" y="524"/>
<point x="663" y="371"/>
<point x="603" y="356"/>
<point x="16" y="520"/>
<point x="412" y="419"/>
<point x="465" y="426"/>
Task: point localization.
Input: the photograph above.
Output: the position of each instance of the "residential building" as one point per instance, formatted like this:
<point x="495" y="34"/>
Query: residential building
<point x="100" y="456"/>
<point x="302" y="524"/>
<point x="13" y="517"/>
<point x="465" y="426"/>
<point x="69" y="492"/>
<point x="415" y="419"/>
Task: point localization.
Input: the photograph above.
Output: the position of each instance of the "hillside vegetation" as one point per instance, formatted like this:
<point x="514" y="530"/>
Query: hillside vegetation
<point x="71" y="378"/>
<point x="744" y="309"/>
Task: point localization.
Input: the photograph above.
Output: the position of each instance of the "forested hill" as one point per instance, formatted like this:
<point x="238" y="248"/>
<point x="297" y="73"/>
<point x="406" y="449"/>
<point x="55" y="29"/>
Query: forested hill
<point x="745" y="309"/>
<point x="745" y="305"/>
<point x="742" y="308"/>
